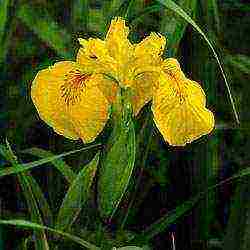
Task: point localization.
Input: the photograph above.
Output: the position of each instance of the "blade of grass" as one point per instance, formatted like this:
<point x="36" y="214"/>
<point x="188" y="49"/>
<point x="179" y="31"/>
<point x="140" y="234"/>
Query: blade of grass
<point x="39" y="21"/>
<point x="41" y="240"/>
<point x="76" y="196"/>
<point x="59" y="164"/>
<point x="165" y="221"/>
<point x="178" y="10"/>
<point x="24" y="167"/>
<point x="32" y="225"/>
<point x="174" y="28"/>
<point x="237" y="231"/>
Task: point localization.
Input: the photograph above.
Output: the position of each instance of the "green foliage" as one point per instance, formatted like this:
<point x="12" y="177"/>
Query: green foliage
<point x="38" y="227"/>
<point x="118" y="162"/>
<point x="76" y="196"/>
<point x="27" y="166"/>
<point x="32" y="193"/>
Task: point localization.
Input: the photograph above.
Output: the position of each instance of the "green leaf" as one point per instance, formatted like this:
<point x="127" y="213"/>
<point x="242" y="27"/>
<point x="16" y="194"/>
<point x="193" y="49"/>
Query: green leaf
<point x="165" y="221"/>
<point x="27" y="188"/>
<point x="118" y="162"/>
<point x="169" y="218"/>
<point x="178" y="10"/>
<point x="76" y="196"/>
<point x="24" y="167"/>
<point x="173" y="28"/>
<point x="39" y="21"/>
<point x="59" y="164"/>
<point x="36" y="226"/>
<point x="41" y="201"/>
<point x="237" y="231"/>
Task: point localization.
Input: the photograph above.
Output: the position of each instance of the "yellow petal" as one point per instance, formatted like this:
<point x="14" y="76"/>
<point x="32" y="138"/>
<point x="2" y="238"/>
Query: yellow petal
<point x="90" y="114"/>
<point x="63" y="96"/>
<point x="142" y="90"/>
<point x="151" y="46"/>
<point x="172" y="67"/>
<point x="45" y="93"/>
<point x="108" y="87"/>
<point x="179" y="111"/>
<point x="118" y="45"/>
<point x="94" y="56"/>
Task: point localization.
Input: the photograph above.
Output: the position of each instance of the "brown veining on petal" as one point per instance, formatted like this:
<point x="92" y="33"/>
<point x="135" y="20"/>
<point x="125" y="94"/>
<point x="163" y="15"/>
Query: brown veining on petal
<point x="74" y="84"/>
<point x="179" y="87"/>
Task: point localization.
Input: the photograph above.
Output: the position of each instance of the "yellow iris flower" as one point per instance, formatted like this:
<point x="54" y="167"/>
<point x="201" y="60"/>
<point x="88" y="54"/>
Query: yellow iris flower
<point x="74" y="97"/>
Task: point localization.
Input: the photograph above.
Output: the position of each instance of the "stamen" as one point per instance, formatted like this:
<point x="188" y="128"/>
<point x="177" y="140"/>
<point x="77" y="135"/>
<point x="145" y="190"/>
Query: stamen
<point x="74" y="84"/>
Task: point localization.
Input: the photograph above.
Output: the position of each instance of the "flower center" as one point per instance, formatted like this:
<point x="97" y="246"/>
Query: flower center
<point x="74" y="84"/>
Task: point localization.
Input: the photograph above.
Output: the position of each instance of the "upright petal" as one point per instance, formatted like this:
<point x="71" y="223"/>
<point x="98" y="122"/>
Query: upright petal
<point x="179" y="110"/>
<point x="118" y="45"/>
<point x="152" y="46"/>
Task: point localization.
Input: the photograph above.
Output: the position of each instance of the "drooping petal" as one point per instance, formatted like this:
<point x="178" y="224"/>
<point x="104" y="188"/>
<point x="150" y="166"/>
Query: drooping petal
<point x="46" y="96"/>
<point x="179" y="111"/>
<point x="90" y="113"/>
<point x="58" y="90"/>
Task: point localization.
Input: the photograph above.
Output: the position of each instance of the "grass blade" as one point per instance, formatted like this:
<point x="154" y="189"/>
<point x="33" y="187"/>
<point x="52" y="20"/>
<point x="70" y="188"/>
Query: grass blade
<point x="35" y="226"/>
<point x="41" y="240"/>
<point x="173" y="28"/>
<point x="59" y="164"/>
<point x="39" y="21"/>
<point x="165" y="221"/>
<point x="178" y="10"/>
<point x="24" y="167"/>
<point x="76" y="196"/>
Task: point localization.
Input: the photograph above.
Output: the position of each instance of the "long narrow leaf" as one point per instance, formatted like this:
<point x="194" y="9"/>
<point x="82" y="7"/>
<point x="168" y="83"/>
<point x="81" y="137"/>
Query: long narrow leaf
<point x="24" y="167"/>
<point x="178" y="10"/>
<point x="118" y="163"/>
<point x="59" y="164"/>
<point x="36" y="226"/>
<point x="76" y="196"/>
<point x="41" y="240"/>
<point x="164" y="222"/>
